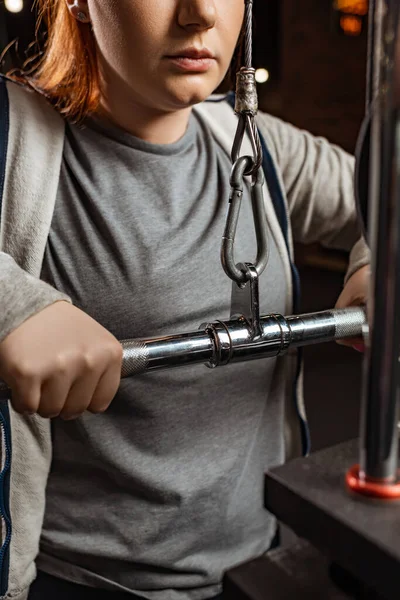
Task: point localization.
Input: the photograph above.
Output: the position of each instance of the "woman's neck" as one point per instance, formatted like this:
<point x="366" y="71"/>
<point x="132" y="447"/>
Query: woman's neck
<point x="145" y="122"/>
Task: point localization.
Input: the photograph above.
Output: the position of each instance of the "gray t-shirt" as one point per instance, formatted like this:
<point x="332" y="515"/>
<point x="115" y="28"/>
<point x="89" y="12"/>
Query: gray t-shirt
<point x="163" y="492"/>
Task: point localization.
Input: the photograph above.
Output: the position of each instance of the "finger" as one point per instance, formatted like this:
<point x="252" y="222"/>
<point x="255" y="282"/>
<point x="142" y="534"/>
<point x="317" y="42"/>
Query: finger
<point x="106" y="390"/>
<point x="79" y="396"/>
<point x="25" y="394"/>
<point x="345" y="302"/>
<point x="53" y="397"/>
<point x="359" y="347"/>
<point x="356" y="343"/>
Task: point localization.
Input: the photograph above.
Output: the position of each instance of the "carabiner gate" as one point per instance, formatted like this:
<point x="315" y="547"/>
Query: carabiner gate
<point x="229" y="265"/>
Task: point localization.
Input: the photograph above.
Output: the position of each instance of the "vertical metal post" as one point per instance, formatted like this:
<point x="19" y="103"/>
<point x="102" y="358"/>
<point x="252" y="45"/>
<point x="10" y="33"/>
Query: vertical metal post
<point x="378" y="439"/>
<point x="371" y="59"/>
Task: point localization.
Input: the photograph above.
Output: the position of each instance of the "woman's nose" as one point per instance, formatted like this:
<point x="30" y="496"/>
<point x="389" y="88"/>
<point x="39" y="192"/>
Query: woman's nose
<point x="197" y="14"/>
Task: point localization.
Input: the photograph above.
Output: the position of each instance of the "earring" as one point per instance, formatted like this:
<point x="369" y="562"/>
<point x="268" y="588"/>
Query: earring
<point x="81" y="16"/>
<point x="77" y="10"/>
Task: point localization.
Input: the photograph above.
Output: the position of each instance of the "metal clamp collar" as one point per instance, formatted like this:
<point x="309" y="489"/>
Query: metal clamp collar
<point x="222" y="344"/>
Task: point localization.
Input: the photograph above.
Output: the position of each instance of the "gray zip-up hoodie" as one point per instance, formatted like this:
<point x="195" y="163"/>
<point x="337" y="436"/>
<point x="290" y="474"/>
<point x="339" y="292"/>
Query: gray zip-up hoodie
<point x="316" y="179"/>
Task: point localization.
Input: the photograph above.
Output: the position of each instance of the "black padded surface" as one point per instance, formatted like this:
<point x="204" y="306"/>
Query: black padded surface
<point x="298" y="572"/>
<point x="309" y="495"/>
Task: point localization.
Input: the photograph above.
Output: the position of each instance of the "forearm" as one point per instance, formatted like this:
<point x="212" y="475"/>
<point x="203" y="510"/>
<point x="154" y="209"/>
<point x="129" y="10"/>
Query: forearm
<point x="21" y="295"/>
<point x="360" y="256"/>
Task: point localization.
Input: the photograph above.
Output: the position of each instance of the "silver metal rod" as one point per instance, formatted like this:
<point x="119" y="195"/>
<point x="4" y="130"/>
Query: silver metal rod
<point x="314" y="328"/>
<point x="233" y="341"/>
<point x="378" y="426"/>
<point x="151" y="354"/>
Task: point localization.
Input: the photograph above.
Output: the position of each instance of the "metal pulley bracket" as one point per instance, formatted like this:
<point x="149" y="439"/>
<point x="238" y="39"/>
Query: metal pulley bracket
<point x="245" y="300"/>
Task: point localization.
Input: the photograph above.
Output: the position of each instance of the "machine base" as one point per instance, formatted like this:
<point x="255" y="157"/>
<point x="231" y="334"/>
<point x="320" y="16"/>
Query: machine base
<point x="297" y="572"/>
<point x="363" y="536"/>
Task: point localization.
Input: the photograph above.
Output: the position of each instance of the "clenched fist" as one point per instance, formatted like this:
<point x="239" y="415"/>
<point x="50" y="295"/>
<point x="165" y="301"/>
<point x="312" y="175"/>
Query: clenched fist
<point x="355" y="293"/>
<point x="61" y="362"/>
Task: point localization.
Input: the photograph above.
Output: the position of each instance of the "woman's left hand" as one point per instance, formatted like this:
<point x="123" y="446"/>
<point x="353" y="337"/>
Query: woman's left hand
<point x="355" y="293"/>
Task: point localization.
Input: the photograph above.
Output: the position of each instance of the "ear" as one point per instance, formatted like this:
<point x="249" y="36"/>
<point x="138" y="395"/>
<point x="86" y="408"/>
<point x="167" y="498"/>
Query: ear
<point x="79" y="10"/>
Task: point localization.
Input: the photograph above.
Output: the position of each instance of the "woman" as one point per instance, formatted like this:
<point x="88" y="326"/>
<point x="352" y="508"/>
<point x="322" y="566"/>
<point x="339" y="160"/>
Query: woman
<point x="160" y="494"/>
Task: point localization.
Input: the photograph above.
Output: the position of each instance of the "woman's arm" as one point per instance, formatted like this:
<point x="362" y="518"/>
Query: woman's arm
<point x="56" y="359"/>
<point x="21" y="295"/>
<point x="318" y="180"/>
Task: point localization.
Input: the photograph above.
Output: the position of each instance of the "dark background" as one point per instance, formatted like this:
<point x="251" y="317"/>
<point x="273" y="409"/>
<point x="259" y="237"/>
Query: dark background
<point x="317" y="82"/>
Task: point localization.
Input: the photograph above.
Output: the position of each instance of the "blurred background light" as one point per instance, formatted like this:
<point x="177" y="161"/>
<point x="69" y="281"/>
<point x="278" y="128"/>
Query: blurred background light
<point x="352" y="15"/>
<point x="351" y="24"/>
<point x="14" y="6"/>
<point x="262" y="75"/>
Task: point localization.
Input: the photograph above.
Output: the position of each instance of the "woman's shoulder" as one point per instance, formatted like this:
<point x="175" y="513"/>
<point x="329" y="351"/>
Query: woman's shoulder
<point x="33" y="138"/>
<point x="220" y="108"/>
<point x="29" y="104"/>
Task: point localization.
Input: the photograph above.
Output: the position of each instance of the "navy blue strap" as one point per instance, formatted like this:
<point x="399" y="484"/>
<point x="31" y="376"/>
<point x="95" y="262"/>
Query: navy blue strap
<point x="278" y="202"/>
<point x="5" y="429"/>
<point x="4" y="129"/>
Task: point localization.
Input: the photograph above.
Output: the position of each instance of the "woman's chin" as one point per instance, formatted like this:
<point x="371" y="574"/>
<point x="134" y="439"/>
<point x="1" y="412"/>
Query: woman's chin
<point x="189" y="93"/>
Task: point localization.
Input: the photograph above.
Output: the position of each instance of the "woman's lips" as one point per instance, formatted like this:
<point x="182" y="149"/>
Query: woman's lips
<point x="189" y="64"/>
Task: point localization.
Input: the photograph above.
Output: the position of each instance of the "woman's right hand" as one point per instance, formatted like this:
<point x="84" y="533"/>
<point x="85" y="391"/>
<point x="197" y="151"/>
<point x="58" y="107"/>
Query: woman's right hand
<point x="61" y="362"/>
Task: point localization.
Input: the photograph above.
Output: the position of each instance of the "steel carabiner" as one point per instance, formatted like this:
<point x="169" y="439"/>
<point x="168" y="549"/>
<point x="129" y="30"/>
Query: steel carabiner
<point x="239" y="169"/>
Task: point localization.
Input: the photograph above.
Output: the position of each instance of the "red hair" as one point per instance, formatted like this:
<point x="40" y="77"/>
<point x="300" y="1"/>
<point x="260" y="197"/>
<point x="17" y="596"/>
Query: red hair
<point x="66" y="72"/>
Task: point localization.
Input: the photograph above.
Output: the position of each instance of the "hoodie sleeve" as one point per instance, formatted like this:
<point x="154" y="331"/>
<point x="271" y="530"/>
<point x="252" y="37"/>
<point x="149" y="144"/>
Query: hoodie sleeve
<point x="21" y="295"/>
<point x="318" y="181"/>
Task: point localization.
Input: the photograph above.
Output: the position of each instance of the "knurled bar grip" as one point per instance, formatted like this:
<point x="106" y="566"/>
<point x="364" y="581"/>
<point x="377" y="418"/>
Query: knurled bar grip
<point x="349" y="322"/>
<point x="135" y="357"/>
<point x="142" y="355"/>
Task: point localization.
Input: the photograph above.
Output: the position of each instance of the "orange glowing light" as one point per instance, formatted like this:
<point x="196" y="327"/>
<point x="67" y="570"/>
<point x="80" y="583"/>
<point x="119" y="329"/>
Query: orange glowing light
<point x="351" y="25"/>
<point x="352" y="7"/>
